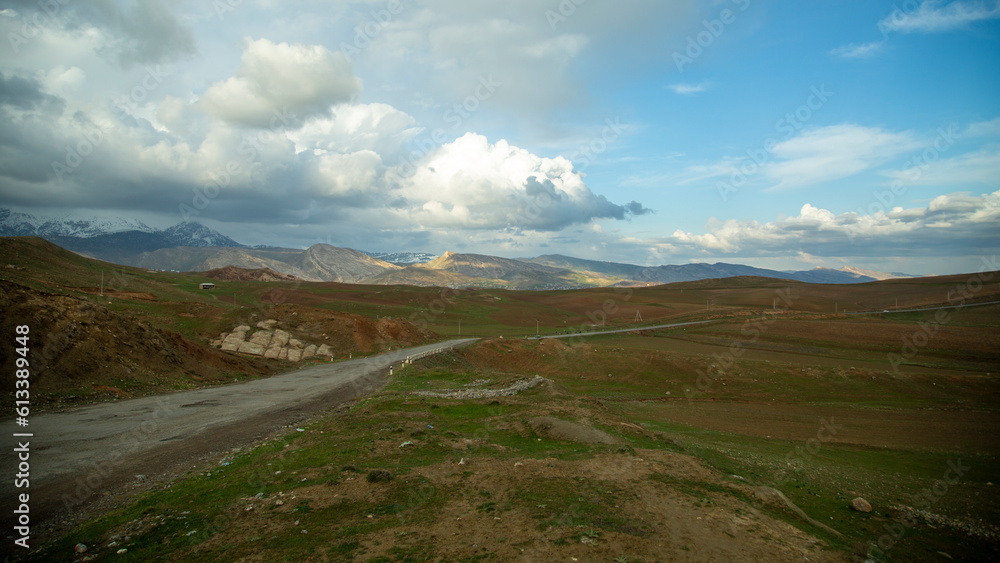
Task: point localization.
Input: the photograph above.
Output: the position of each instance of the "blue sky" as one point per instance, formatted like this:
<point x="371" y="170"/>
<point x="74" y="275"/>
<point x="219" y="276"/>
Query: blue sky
<point x="778" y="134"/>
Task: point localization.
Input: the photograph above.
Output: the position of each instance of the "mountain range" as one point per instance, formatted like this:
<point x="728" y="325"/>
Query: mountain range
<point x="114" y="239"/>
<point x="190" y="246"/>
<point x="323" y="262"/>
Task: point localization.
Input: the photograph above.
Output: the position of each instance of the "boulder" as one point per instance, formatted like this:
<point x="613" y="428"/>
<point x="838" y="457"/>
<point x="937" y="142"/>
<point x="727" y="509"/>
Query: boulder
<point x="296" y="343"/>
<point x="251" y="348"/>
<point x="309" y="351"/>
<point x="267" y="325"/>
<point x="324" y="351"/>
<point x="280" y="338"/>
<point x="861" y="505"/>
<point x="233" y="342"/>
<point x="262" y="337"/>
<point x="272" y="352"/>
<point x="242" y="328"/>
<point x="294" y="354"/>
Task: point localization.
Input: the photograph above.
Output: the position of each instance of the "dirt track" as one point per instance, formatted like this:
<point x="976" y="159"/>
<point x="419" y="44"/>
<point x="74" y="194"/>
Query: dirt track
<point x="86" y="457"/>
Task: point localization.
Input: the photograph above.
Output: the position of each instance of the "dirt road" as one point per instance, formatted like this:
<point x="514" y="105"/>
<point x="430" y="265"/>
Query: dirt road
<point x="621" y="330"/>
<point x="90" y="454"/>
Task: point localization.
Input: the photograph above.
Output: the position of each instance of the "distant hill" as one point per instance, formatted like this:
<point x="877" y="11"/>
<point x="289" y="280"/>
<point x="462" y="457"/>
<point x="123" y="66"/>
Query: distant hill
<point x="192" y="247"/>
<point x="232" y="273"/>
<point x="320" y="262"/>
<point x="480" y="270"/>
<point x="493" y="267"/>
<point x="875" y="274"/>
<point x="692" y="272"/>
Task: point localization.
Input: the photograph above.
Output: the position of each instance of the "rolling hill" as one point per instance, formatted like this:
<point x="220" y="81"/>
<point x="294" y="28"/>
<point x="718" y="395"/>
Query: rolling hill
<point x="320" y="262"/>
<point x="693" y="272"/>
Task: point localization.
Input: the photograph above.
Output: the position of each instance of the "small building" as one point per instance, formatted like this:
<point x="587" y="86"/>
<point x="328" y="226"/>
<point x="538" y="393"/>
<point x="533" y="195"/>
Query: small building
<point x="206" y="285"/>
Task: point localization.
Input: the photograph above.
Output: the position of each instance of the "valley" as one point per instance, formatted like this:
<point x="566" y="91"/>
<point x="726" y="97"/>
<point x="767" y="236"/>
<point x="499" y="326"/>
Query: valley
<point x="742" y="431"/>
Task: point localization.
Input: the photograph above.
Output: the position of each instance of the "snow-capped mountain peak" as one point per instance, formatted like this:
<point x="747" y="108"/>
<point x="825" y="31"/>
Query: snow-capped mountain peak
<point x="403" y="258"/>
<point x="196" y="234"/>
<point x="75" y="226"/>
<point x="110" y="238"/>
<point x="13" y="223"/>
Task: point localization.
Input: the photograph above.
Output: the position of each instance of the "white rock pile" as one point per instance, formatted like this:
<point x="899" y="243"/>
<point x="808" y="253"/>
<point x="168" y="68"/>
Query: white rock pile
<point x="270" y="343"/>
<point x="514" y="389"/>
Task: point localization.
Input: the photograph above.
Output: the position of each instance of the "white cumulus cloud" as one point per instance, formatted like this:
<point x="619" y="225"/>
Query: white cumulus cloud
<point x="302" y="80"/>
<point x="473" y="184"/>
<point x="949" y="221"/>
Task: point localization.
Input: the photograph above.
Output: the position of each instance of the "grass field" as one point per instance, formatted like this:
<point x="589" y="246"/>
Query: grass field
<point x="807" y="424"/>
<point x="710" y="427"/>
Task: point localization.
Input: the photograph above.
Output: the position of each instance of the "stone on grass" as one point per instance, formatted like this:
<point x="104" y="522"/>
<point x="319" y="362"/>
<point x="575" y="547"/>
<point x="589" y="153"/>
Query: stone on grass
<point x="861" y="505"/>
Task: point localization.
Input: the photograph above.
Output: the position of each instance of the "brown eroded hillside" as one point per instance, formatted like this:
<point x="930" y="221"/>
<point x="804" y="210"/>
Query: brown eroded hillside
<point x="232" y="273"/>
<point x="82" y="352"/>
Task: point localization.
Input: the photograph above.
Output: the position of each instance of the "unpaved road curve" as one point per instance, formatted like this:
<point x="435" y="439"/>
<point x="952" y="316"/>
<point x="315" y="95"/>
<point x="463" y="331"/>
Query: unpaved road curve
<point x="620" y="330"/>
<point x="87" y="454"/>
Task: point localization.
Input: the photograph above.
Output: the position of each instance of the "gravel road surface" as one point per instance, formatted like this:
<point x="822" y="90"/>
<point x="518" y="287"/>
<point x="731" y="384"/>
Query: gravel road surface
<point x="83" y="456"/>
